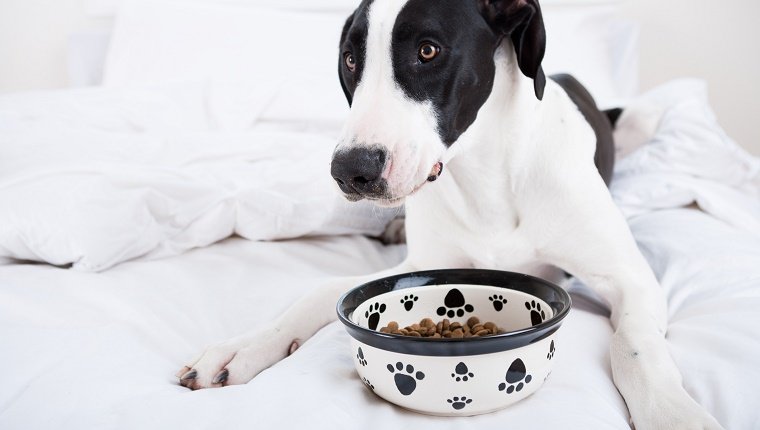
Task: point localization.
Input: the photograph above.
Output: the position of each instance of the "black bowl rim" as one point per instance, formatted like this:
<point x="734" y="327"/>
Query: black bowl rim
<point x="531" y="285"/>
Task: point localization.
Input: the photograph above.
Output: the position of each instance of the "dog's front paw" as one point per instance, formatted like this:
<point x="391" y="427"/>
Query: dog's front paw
<point x="672" y="411"/>
<point x="236" y="361"/>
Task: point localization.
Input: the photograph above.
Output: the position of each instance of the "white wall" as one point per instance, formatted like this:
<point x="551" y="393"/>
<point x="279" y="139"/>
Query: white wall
<point x="33" y="38"/>
<point x="715" y="40"/>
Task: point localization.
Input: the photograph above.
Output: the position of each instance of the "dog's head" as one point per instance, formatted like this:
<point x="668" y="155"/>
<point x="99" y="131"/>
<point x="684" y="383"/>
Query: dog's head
<point x="416" y="73"/>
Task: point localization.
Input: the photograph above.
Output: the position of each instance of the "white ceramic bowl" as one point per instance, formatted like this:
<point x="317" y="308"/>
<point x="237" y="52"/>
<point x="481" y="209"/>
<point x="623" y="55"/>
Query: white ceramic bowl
<point x="455" y="377"/>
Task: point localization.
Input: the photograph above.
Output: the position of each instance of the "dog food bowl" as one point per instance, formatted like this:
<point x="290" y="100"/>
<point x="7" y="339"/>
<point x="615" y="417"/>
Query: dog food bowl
<point x="455" y="377"/>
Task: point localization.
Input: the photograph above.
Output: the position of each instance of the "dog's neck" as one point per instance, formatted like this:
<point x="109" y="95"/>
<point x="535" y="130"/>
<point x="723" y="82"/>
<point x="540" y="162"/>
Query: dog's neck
<point x="499" y="133"/>
<point x="491" y="155"/>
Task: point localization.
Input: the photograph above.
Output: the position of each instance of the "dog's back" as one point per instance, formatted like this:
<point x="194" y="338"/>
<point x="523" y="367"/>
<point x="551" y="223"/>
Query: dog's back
<point x="601" y="122"/>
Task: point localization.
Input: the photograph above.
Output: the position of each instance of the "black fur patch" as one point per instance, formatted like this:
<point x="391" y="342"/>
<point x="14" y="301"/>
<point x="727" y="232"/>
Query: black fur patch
<point x="353" y="40"/>
<point x="459" y="80"/>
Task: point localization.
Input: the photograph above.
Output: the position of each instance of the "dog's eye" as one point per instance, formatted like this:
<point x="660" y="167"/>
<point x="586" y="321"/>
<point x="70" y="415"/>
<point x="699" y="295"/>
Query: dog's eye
<point x="350" y="61"/>
<point x="428" y="52"/>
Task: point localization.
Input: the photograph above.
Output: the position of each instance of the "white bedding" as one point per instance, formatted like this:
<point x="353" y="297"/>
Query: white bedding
<point x="99" y="350"/>
<point x="84" y="350"/>
<point x="150" y="170"/>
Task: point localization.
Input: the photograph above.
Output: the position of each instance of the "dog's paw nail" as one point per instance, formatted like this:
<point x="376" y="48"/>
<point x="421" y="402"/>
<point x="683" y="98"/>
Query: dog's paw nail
<point x="221" y="377"/>
<point x="182" y="371"/>
<point x="189" y="375"/>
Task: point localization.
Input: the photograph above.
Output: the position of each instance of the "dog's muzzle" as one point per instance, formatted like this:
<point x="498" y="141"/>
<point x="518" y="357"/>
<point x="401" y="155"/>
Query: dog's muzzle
<point x="358" y="173"/>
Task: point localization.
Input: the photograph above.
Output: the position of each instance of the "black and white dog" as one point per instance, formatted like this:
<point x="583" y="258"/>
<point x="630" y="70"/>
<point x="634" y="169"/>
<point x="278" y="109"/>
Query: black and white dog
<point x="459" y="83"/>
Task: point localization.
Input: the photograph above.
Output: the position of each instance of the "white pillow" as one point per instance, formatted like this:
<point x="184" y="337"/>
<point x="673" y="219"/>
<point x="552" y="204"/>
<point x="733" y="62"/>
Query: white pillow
<point x="277" y="61"/>
<point x="259" y="62"/>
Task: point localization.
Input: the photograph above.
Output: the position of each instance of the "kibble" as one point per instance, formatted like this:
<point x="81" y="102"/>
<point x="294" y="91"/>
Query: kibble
<point x="444" y="329"/>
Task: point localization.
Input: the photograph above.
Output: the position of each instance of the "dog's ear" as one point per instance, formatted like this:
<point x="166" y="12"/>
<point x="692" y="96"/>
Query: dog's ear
<point x="520" y="20"/>
<point x="341" y="65"/>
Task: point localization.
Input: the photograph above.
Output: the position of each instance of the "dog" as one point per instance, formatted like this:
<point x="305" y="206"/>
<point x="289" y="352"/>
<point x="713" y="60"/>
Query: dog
<point x="498" y="168"/>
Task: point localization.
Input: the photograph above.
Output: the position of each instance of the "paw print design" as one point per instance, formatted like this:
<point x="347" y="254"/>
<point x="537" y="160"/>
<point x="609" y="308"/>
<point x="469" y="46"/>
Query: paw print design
<point x="405" y="378"/>
<point x="537" y="316"/>
<point x="498" y="302"/>
<point x="459" y="403"/>
<point x="360" y="357"/>
<point x="516" y="377"/>
<point x="550" y="355"/>
<point x="454" y="305"/>
<point x="408" y="301"/>
<point x="373" y="315"/>
<point x="462" y="373"/>
<point x="368" y="384"/>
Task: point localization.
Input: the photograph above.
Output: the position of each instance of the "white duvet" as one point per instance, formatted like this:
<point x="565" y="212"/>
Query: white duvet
<point x="91" y="178"/>
<point x="96" y="177"/>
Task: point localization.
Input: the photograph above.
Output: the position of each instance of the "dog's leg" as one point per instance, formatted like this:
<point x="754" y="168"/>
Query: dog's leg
<point x="238" y="360"/>
<point x="595" y="244"/>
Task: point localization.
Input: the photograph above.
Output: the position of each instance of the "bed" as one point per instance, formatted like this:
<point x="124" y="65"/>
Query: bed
<point x="181" y="203"/>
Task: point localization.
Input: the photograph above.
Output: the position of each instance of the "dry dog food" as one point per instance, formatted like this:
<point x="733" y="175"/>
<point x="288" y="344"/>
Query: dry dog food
<point x="445" y="328"/>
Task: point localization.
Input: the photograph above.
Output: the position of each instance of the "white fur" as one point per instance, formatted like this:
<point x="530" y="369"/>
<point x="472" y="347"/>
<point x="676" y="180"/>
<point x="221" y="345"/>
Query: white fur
<point x="520" y="192"/>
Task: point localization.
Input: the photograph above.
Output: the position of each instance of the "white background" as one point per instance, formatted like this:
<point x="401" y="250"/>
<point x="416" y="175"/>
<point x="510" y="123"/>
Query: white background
<point x="714" y="40"/>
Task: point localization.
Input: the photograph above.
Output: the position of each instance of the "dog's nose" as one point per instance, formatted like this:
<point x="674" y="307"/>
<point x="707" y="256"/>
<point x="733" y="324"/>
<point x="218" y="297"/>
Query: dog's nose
<point x="359" y="171"/>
